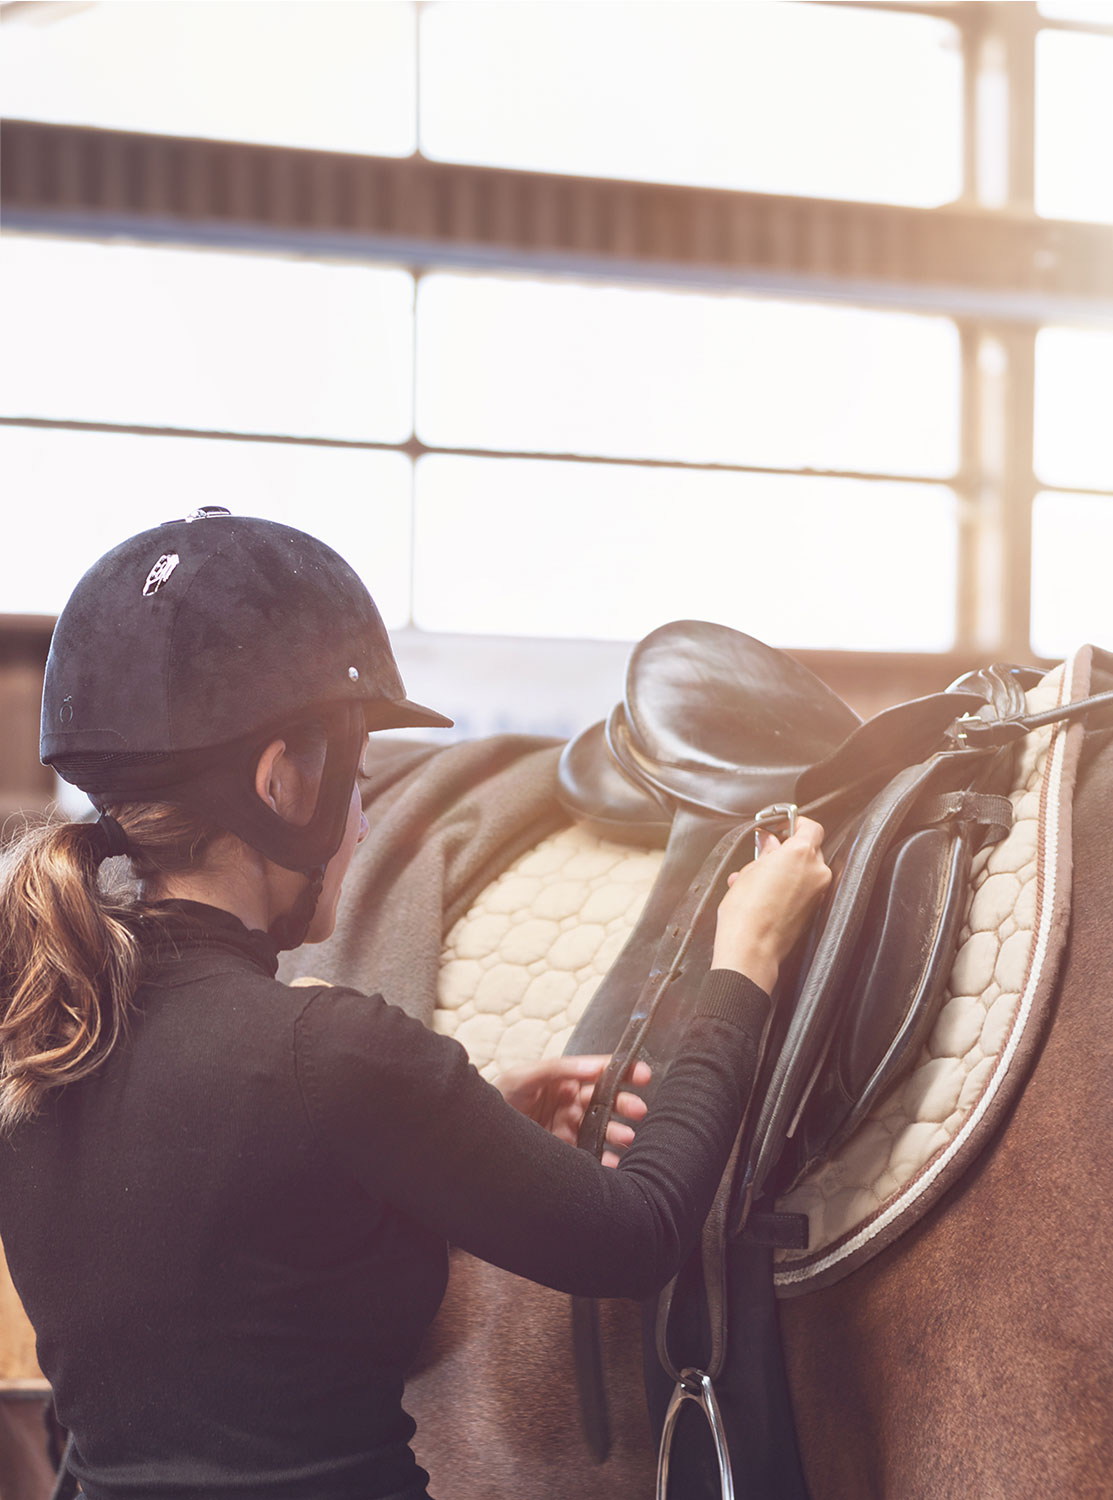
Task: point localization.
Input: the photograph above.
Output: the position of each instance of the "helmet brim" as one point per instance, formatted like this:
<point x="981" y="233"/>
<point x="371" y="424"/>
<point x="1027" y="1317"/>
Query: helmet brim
<point x="403" y="714"/>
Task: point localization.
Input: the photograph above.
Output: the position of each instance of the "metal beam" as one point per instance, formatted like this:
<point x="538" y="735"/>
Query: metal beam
<point x="966" y="260"/>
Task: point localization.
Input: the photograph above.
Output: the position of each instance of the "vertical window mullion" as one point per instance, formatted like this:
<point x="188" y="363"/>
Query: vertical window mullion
<point x="1019" y="490"/>
<point x="1019" y="23"/>
<point x="969" y="486"/>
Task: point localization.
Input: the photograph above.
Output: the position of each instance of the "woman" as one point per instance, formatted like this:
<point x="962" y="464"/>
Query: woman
<point x="226" y="1202"/>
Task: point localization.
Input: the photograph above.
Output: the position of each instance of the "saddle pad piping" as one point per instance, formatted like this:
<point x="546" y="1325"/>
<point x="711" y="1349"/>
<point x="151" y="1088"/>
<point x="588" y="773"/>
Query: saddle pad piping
<point x="818" y="1272"/>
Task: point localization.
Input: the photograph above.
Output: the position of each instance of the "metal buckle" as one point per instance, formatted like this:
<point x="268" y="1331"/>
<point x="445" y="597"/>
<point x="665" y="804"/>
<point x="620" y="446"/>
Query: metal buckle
<point x="958" y="735"/>
<point x="776" y="812"/>
<point x="694" y="1385"/>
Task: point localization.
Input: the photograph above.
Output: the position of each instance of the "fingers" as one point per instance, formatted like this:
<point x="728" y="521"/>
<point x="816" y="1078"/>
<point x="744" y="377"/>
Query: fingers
<point x="587" y="1066"/>
<point x="769" y="902"/>
<point x="767" y="841"/>
<point x="626" y="1106"/>
<point x="556" y="1093"/>
<point x="809" y="832"/>
<point x="807" y="837"/>
<point x="619" y="1134"/>
<point x="588" y="1069"/>
<point x="631" y="1107"/>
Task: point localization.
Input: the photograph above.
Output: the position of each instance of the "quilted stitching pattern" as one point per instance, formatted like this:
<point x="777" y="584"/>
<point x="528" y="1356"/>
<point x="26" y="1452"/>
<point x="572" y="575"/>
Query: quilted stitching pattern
<point x="519" y="968"/>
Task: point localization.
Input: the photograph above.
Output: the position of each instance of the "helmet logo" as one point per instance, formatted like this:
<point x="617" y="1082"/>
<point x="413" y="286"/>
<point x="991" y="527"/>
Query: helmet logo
<point x="207" y="513"/>
<point x="160" y="573"/>
<point x="65" y="713"/>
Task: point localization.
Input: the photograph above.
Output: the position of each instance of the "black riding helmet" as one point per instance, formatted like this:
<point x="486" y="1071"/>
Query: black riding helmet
<point x="186" y="649"/>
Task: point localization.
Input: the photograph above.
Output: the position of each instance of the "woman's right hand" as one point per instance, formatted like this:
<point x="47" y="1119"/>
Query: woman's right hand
<point x="769" y="902"/>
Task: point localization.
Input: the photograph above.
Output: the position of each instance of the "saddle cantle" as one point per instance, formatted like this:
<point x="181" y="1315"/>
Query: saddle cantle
<point x="712" y="721"/>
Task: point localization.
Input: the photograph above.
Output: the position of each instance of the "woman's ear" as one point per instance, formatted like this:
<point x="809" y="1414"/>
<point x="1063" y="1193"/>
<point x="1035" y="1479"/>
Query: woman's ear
<point x="277" y="780"/>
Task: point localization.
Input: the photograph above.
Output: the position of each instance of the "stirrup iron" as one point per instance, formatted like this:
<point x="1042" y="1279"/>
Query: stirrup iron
<point x="694" y="1385"/>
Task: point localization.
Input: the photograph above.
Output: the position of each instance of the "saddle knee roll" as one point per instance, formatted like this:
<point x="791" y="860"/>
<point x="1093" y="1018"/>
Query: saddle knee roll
<point x="899" y="976"/>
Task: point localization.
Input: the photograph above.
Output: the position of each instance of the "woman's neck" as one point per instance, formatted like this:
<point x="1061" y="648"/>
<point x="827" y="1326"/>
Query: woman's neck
<point x="251" y="888"/>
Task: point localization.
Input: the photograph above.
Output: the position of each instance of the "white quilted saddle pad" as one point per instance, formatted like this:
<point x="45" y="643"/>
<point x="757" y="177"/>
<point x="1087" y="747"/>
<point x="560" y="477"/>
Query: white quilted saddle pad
<point x="520" y="967"/>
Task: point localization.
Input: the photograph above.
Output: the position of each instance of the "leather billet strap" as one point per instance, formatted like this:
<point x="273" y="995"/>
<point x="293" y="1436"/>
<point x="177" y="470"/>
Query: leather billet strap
<point x="731" y="850"/>
<point x="668" y="964"/>
<point x="713" y="1266"/>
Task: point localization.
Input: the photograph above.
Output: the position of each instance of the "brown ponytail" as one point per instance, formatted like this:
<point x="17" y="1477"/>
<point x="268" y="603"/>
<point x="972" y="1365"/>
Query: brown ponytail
<point x="70" y="958"/>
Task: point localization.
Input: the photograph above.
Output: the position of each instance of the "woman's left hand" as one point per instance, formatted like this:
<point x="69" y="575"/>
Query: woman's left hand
<point x="556" y="1092"/>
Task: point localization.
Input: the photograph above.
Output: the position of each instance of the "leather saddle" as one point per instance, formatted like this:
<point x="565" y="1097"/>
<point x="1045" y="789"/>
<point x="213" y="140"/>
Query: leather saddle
<point x="714" y="728"/>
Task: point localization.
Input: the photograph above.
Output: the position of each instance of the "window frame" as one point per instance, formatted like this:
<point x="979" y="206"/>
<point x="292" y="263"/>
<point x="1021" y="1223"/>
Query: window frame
<point x="661" y="229"/>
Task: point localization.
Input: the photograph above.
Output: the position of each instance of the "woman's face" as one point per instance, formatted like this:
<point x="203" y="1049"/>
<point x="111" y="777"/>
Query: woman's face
<point x="355" y="831"/>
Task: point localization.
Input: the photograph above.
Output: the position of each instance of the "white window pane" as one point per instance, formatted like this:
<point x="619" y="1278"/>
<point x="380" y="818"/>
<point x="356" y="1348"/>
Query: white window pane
<point x="558" y="367"/>
<point x="525" y="547"/>
<point x="206" y="339"/>
<point x="326" y="75"/>
<point x="1098" y="12"/>
<point x="1072" y="542"/>
<point x="1074" y="407"/>
<point x="73" y="495"/>
<point x="1074" y="126"/>
<point x="818" y="100"/>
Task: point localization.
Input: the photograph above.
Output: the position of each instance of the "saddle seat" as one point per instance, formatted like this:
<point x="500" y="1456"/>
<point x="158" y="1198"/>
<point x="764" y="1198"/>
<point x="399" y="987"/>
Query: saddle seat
<point x="713" y="721"/>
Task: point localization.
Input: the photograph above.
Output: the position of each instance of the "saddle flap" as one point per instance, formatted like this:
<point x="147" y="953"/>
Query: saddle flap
<point x="719" y="720"/>
<point x="817" y="990"/>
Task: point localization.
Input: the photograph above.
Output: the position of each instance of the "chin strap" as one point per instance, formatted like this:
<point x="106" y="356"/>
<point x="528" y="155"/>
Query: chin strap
<point x="290" y="929"/>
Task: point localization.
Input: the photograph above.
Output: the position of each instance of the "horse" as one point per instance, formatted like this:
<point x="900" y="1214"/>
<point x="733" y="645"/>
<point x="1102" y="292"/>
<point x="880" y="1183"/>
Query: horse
<point x="969" y="1350"/>
<point x="968" y="1347"/>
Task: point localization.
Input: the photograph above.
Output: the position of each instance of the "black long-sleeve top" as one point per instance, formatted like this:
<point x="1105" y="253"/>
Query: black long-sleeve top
<point x="231" y="1238"/>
